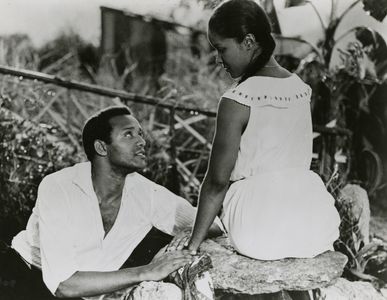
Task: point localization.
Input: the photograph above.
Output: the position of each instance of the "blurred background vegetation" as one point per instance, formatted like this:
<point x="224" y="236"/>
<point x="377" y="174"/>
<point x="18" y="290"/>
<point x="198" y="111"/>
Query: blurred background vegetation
<point x="40" y="123"/>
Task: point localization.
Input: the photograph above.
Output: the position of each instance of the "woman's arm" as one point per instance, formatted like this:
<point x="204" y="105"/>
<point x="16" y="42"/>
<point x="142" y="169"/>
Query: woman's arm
<point x="231" y="121"/>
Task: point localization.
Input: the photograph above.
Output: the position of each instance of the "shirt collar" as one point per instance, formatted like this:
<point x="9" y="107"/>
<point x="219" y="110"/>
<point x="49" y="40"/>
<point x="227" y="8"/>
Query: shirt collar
<point x="82" y="179"/>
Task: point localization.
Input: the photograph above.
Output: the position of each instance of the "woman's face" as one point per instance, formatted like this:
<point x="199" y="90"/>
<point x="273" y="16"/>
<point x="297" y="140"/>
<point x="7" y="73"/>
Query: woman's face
<point x="234" y="56"/>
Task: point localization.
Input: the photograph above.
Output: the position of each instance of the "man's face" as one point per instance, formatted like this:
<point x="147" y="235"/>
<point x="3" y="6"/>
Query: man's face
<point x="126" y="150"/>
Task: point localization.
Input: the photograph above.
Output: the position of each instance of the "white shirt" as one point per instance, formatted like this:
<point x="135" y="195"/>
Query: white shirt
<point x="66" y="223"/>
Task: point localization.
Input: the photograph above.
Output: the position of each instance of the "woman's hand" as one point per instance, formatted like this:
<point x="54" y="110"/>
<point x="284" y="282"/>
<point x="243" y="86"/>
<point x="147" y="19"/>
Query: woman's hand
<point x="193" y="247"/>
<point x="164" y="263"/>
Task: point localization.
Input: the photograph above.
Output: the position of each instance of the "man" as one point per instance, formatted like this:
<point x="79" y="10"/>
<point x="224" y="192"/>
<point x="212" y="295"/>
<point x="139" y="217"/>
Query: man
<point x="90" y="217"/>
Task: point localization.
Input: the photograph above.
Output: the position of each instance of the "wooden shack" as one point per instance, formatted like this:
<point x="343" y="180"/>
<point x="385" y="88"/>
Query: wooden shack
<point x="134" y="41"/>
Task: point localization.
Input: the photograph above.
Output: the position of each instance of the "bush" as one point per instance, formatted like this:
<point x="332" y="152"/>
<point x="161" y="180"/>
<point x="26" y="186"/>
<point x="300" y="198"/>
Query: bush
<point x="28" y="152"/>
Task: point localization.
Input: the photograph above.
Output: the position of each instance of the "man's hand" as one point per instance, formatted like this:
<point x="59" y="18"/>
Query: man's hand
<point x="164" y="263"/>
<point x="179" y="241"/>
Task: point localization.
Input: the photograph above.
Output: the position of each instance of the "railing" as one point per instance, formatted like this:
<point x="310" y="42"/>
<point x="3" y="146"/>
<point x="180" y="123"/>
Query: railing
<point x="165" y="121"/>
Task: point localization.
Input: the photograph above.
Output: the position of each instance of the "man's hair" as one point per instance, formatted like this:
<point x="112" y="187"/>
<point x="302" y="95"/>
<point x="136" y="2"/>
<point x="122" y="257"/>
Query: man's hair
<point x="98" y="127"/>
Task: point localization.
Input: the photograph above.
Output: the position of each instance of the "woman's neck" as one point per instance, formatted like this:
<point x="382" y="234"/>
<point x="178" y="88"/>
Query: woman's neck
<point x="273" y="69"/>
<point x="272" y="63"/>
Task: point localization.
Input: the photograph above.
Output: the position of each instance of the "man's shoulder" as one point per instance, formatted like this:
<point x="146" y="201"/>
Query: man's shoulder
<point x="136" y="180"/>
<point x="140" y="182"/>
<point x="65" y="174"/>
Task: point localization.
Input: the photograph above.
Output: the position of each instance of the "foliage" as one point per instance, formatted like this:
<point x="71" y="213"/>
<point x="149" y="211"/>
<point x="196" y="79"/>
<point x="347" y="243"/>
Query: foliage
<point x="40" y="130"/>
<point x="376" y="8"/>
<point x="195" y="79"/>
<point x="49" y="137"/>
<point x="27" y="153"/>
<point x="343" y="96"/>
<point x="17" y="50"/>
<point x="57" y="49"/>
<point x="210" y="4"/>
<point x="366" y="260"/>
<point x="346" y="94"/>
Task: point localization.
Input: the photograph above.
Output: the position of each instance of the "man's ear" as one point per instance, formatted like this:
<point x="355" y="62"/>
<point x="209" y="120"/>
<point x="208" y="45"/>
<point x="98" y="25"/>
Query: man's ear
<point x="100" y="147"/>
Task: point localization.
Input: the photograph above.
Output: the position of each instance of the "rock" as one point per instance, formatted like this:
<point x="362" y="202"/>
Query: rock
<point x="146" y="290"/>
<point x="234" y="273"/>
<point x="357" y="199"/>
<point x="344" y="290"/>
<point x="152" y="290"/>
<point x="378" y="224"/>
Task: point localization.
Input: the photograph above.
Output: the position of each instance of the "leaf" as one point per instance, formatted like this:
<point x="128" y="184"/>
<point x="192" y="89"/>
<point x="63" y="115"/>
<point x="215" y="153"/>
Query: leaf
<point x="371" y="247"/>
<point x="359" y="274"/>
<point x="290" y="3"/>
<point x="376" y="8"/>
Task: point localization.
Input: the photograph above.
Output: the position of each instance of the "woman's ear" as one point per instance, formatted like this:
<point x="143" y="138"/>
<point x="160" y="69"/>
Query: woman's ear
<point x="252" y="45"/>
<point x="249" y="41"/>
<point x="100" y="147"/>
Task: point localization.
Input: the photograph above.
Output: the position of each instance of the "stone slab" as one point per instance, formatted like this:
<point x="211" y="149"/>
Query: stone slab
<point x="356" y="290"/>
<point x="234" y="273"/>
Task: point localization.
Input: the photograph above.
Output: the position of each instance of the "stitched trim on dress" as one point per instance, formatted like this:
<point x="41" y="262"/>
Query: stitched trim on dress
<point x="245" y="96"/>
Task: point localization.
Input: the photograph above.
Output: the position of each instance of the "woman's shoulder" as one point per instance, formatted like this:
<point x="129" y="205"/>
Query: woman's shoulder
<point x="269" y="82"/>
<point x="267" y="90"/>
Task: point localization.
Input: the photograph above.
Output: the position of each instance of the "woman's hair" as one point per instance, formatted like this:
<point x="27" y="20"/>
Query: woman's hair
<point x="236" y="19"/>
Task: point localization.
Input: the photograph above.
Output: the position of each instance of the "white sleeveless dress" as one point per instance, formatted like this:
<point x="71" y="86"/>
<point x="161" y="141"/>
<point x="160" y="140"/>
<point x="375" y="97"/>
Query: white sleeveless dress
<point x="276" y="207"/>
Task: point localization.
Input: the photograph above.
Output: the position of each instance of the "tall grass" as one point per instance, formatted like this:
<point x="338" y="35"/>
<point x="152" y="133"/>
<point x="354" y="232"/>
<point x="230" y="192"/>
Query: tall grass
<point x="48" y="119"/>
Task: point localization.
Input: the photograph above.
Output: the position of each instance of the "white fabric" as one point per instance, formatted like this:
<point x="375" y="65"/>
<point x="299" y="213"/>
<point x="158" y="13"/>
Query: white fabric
<point x="66" y="223"/>
<point x="276" y="206"/>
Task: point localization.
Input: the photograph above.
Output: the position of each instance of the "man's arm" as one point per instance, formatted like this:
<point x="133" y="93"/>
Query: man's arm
<point x="59" y="258"/>
<point x="85" y="284"/>
<point x="58" y="255"/>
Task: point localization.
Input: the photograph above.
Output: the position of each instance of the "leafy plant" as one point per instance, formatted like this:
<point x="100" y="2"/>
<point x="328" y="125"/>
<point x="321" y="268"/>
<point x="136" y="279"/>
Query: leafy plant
<point x="41" y="123"/>
<point x="28" y="152"/>
<point x="343" y="96"/>
<point x="366" y="260"/>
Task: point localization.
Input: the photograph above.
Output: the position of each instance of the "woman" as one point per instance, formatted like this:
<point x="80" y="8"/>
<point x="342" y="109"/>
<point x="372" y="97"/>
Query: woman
<point x="273" y="205"/>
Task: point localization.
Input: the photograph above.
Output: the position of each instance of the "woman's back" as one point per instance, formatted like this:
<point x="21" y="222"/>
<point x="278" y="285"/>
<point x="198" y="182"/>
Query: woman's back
<point x="276" y="207"/>
<point x="278" y="135"/>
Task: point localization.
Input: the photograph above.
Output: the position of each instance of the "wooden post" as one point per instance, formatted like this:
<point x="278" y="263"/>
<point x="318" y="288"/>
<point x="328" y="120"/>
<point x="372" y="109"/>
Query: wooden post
<point x="69" y="111"/>
<point x="173" y="183"/>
